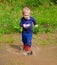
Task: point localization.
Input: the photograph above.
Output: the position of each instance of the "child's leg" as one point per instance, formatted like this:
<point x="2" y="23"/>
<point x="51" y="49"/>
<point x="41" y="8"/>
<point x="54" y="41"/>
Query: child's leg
<point x="27" y="39"/>
<point x="29" y="43"/>
<point x="28" y="48"/>
<point x="24" y="46"/>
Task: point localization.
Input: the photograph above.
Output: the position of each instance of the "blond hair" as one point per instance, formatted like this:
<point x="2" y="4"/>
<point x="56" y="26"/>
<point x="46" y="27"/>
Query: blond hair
<point x="26" y="9"/>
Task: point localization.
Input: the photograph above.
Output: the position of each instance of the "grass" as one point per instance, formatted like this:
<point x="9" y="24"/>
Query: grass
<point x="49" y="39"/>
<point x="7" y="39"/>
<point x="10" y="15"/>
<point x="46" y="18"/>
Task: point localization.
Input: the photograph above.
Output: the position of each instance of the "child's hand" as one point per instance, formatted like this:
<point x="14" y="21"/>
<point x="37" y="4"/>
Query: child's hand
<point x="26" y="25"/>
<point x="36" y="26"/>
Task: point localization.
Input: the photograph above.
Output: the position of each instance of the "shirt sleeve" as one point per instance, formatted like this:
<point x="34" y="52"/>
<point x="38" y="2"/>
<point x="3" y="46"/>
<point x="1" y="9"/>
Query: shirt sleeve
<point x="21" y="22"/>
<point x="34" y="21"/>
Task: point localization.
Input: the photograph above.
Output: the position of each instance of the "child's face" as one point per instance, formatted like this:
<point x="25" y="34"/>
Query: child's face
<point x="26" y="15"/>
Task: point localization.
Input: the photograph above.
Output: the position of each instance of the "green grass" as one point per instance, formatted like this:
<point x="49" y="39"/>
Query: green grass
<point x="48" y="39"/>
<point x="45" y="39"/>
<point x="46" y="18"/>
<point x="11" y="13"/>
<point x="7" y="39"/>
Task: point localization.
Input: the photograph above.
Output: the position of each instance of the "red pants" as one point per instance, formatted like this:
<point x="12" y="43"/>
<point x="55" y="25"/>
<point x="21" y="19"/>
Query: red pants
<point x="27" y="48"/>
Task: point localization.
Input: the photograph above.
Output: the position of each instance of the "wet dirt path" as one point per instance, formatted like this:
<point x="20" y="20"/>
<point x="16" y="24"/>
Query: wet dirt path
<point x="41" y="56"/>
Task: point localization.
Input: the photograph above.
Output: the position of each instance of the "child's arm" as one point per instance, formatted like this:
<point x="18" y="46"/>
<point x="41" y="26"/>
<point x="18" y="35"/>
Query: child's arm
<point x="21" y="22"/>
<point x="34" y="22"/>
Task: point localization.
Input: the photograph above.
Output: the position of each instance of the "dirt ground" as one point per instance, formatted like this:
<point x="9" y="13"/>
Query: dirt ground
<point x="11" y="54"/>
